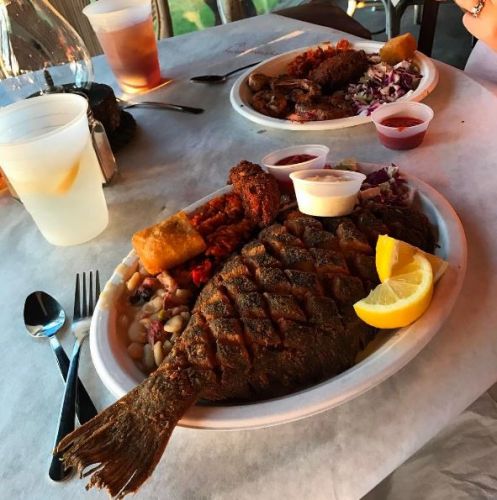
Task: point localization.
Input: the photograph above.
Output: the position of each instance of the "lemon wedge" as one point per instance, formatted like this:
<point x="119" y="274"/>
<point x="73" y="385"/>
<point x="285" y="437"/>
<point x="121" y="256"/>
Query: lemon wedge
<point x="392" y="255"/>
<point x="401" y="299"/>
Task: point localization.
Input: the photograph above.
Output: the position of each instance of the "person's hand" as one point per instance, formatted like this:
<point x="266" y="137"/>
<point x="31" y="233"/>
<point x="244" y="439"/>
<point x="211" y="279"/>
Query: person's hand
<point x="483" y="27"/>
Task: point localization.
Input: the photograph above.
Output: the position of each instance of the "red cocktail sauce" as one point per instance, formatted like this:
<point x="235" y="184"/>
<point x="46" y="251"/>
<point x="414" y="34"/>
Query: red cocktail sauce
<point x="292" y="160"/>
<point x="401" y="123"/>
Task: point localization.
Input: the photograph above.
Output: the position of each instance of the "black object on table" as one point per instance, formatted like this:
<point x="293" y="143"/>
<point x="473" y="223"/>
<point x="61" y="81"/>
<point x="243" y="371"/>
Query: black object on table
<point x="119" y="125"/>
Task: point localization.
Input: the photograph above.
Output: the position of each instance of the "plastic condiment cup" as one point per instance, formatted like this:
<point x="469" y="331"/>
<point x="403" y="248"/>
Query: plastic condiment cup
<point x="402" y="137"/>
<point x="282" y="172"/>
<point x="319" y="195"/>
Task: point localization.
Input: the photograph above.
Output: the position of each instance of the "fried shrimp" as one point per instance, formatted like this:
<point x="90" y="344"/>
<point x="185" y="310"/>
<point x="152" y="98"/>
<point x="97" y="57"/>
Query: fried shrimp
<point x="324" y="108"/>
<point x="258" y="82"/>
<point x="296" y="88"/>
<point x="270" y="103"/>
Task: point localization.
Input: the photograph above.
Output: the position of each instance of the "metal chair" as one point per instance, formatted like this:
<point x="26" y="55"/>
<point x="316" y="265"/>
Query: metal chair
<point x="326" y="13"/>
<point x="394" y="10"/>
<point x="426" y="13"/>
<point x="321" y="12"/>
<point x="428" y="25"/>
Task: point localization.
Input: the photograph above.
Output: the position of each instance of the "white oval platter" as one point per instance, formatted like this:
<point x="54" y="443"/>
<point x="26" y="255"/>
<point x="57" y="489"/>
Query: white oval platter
<point x="119" y="374"/>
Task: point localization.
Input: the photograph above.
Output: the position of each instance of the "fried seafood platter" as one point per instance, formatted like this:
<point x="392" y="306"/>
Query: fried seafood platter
<point x="264" y="309"/>
<point x="331" y="85"/>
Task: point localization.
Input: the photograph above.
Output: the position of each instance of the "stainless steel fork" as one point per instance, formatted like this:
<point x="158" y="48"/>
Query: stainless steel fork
<point x="159" y="105"/>
<point x="83" y="311"/>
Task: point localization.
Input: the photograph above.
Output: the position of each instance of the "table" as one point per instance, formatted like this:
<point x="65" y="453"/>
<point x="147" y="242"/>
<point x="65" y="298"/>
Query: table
<point x="174" y="160"/>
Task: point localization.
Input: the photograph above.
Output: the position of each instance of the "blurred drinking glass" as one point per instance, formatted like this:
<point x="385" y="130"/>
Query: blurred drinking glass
<point x="47" y="154"/>
<point x="39" y="52"/>
<point x="125" y="30"/>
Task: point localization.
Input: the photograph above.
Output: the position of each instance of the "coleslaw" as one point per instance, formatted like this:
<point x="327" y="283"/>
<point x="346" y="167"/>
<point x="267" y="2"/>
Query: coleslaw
<point x="385" y="185"/>
<point x="383" y="83"/>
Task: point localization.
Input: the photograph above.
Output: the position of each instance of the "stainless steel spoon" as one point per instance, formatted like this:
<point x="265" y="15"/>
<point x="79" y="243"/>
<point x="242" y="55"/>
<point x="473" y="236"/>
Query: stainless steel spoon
<point x="219" y="78"/>
<point x="43" y="318"/>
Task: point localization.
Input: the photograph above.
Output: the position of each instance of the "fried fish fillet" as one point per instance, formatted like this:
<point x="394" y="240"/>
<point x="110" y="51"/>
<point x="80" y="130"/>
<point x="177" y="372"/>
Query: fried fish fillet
<point x="337" y="71"/>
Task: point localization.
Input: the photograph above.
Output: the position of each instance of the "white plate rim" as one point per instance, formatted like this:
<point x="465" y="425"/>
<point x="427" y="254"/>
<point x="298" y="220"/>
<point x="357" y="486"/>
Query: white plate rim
<point x="242" y="106"/>
<point x="402" y="347"/>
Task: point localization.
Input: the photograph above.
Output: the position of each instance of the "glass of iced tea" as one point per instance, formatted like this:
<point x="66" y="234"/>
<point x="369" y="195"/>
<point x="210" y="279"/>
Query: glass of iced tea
<point x="47" y="154"/>
<point x="125" y="31"/>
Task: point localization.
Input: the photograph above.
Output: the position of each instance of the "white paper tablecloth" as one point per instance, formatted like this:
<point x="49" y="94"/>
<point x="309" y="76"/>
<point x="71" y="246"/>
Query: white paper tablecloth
<point x="174" y="160"/>
<point x="458" y="464"/>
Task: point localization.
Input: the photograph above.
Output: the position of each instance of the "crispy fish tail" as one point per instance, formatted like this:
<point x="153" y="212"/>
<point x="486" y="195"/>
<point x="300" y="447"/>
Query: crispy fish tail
<point x="125" y="442"/>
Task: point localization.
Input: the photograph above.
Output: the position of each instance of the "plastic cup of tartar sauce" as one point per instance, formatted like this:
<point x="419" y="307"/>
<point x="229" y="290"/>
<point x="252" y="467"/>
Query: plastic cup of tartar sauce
<point x="326" y="193"/>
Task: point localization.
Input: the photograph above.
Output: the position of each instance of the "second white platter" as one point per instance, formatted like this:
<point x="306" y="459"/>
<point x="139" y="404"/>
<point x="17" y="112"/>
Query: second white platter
<point x="240" y="95"/>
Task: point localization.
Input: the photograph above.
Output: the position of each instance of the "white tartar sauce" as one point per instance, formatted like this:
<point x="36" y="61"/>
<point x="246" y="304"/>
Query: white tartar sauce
<point x="331" y="177"/>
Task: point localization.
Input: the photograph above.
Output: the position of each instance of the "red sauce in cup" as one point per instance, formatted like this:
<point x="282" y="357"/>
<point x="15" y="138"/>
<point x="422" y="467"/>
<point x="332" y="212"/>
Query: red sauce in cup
<point x="400" y="143"/>
<point x="401" y="122"/>
<point x="292" y="160"/>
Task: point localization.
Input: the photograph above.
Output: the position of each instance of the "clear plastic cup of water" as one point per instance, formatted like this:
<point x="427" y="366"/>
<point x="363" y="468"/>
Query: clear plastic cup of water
<point x="47" y="154"/>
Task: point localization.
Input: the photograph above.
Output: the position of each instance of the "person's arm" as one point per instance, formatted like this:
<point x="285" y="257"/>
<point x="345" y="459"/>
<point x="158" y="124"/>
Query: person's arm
<point x="484" y="25"/>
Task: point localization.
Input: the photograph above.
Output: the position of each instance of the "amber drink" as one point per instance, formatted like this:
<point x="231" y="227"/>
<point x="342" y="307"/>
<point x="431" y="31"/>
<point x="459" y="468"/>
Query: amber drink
<point x="125" y="31"/>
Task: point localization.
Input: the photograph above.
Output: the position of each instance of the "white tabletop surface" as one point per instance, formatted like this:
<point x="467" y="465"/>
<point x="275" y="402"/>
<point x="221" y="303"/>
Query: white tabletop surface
<point x="177" y="158"/>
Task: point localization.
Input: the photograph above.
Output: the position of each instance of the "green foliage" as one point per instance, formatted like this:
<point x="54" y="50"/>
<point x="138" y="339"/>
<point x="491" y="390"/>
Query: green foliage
<point x="190" y="15"/>
<point x="193" y="15"/>
<point x="264" y="6"/>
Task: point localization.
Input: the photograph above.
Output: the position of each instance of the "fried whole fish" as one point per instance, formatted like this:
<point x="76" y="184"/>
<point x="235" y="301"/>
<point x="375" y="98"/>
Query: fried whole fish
<point x="277" y="316"/>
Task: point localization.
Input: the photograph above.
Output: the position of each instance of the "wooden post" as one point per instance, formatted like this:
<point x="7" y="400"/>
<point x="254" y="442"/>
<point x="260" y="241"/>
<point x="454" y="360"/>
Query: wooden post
<point x="72" y="12"/>
<point x="234" y="10"/>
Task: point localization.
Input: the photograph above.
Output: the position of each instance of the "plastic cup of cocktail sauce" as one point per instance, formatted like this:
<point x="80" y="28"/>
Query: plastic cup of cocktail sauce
<point x="402" y="125"/>
<point x="281" y="163"/>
